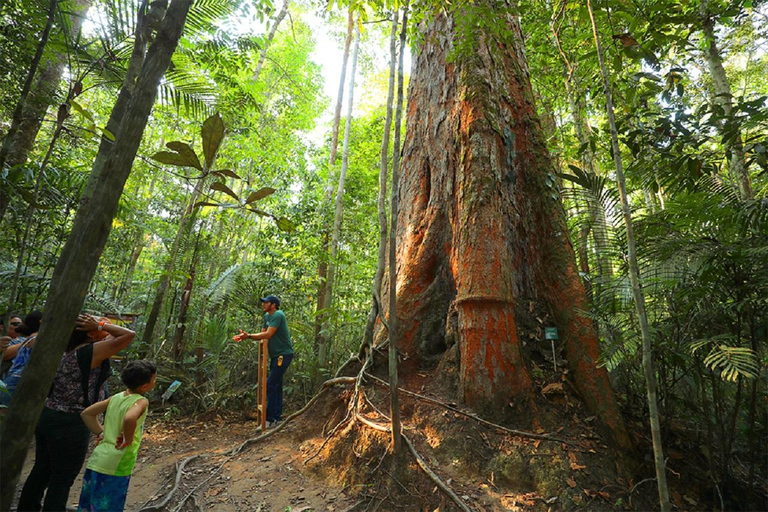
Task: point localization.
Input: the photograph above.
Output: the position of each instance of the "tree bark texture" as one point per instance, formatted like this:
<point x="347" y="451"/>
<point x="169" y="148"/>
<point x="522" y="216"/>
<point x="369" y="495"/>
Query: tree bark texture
<point x="482" y="232"/>
<point x="80" y="257"/>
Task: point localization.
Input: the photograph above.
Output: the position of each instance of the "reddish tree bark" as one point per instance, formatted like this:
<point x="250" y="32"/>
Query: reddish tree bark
<point x="482" y="231"/>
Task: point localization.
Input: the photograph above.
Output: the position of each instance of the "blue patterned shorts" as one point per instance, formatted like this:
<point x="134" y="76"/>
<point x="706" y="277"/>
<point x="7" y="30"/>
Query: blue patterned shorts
<point x="103" y="493"/>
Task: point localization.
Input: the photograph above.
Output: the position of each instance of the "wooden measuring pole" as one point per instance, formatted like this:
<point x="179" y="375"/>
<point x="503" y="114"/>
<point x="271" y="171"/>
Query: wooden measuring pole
<point x="263" y="360"/>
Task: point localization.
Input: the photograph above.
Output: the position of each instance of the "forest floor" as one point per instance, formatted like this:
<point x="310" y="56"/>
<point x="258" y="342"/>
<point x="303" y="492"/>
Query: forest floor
<point x="267" y="477"/>
<point x="323" y="461"/>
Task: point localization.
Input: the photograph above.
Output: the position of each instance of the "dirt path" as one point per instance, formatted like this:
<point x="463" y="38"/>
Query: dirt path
<point x="267" y="476"/>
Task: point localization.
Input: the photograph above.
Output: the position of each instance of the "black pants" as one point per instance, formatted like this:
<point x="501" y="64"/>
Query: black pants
<point x="61" y="442"/>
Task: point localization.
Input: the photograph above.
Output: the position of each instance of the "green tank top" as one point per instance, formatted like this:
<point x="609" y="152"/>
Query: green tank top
<point x="106" y="459"/>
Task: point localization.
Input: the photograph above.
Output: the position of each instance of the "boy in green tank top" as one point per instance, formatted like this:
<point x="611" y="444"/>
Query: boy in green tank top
<point x="108" y="473"/>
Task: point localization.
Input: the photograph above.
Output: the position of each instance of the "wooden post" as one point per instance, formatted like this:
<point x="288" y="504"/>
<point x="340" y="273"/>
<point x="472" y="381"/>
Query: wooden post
<point x="263" y="358"/>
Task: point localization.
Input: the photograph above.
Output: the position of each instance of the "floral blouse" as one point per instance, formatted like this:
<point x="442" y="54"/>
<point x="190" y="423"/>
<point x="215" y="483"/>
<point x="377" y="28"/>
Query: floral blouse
<point x="67" y="391"/>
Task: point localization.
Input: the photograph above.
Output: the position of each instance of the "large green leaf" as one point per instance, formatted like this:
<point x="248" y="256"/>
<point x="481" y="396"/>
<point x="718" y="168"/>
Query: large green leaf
<point x="213" y="133"/>
<point x="221" y="187"/>
<point x="227" y="173"/>
<point x="285" y="224"/>
<point x="183" y="156"/>
<point x="259" y="194"/>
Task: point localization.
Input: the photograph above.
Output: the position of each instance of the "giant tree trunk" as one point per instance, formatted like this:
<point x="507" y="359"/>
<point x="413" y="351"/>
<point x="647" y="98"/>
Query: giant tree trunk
<point x="80" y="256"/>
<point x="482" y="231"/>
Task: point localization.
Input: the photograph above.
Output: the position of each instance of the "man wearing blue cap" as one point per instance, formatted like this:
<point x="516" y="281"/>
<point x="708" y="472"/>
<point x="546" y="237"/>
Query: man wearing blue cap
<point x="274" y="328"/>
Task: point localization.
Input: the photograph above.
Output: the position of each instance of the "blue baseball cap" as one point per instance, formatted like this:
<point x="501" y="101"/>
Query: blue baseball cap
<point x="271" y="298"/>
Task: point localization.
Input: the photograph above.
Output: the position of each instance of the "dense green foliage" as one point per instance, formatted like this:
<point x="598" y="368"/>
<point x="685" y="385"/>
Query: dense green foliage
<point x="703" y="246"/>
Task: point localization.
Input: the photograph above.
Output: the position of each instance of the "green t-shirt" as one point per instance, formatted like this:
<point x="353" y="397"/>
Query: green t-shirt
<point x="280" y="343"/>
<point x="106" y="459"/>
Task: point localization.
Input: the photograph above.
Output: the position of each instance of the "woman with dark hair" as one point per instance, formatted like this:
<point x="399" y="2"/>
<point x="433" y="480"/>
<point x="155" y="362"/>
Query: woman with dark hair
<point x="28" y="329"/>
<point x="61" y="437"/>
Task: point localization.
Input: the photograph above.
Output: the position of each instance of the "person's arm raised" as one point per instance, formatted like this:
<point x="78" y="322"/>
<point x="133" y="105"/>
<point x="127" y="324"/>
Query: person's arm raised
<point x="118" y="339"/>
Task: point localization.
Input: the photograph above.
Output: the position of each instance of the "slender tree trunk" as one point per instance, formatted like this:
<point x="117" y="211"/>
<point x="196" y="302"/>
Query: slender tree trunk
<point x="5" y="149"/>
<point x="340" y="95"/>
<point x="373" y="314"/>
<point x="272" y="31"/>
<point x="598" y="224"/>
<point x="185" y="224"/>
<point x="634" y="274"/>
<point x="723" y="97"/>
<point x="44" y="93"/>
<point x="186" y="297"/>
<point x="80" y="257"/>
<point x="322" y="267"/>
<point x="394" y="339"/>
<point x="322" y="354"/>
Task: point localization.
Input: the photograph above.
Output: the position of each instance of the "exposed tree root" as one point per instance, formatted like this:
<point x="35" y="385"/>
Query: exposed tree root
<point x="432" y="475"/>
<point x="179" y="472"/>
<point x="353" y="414"/>
<point x="543" y="437"/>
<point x="422" y="463"/>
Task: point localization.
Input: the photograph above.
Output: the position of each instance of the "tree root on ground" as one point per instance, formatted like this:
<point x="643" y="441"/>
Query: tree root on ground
<point x="179" y="472"/>
<point x="422" y="463"/>
<point x="352" y="415"/>
<point x="543" y="437"/>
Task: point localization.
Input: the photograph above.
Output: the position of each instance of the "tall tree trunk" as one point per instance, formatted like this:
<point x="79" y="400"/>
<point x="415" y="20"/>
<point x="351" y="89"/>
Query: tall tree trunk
<point x="322" y="353"/>
<point x="45" y="89"/>
<point x="186" y="297"/>
<point x="394" y="339"/>
<point x="270" y="36"/>
<point x="322" y="267"/>
<point x="185" y="224"/>
<point x="145" y="25"/>
<point x="723" y="97"/>
<point x="5" y="149"/>
<point x="482" y="229"/>
<point x="80" y="257"/>
<point x="598" y="224"/>
<point x="373" y="314"/>
<point x="340" y="95"/>
<point x="31" y="208"/>
<point x="634" y="275"/>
